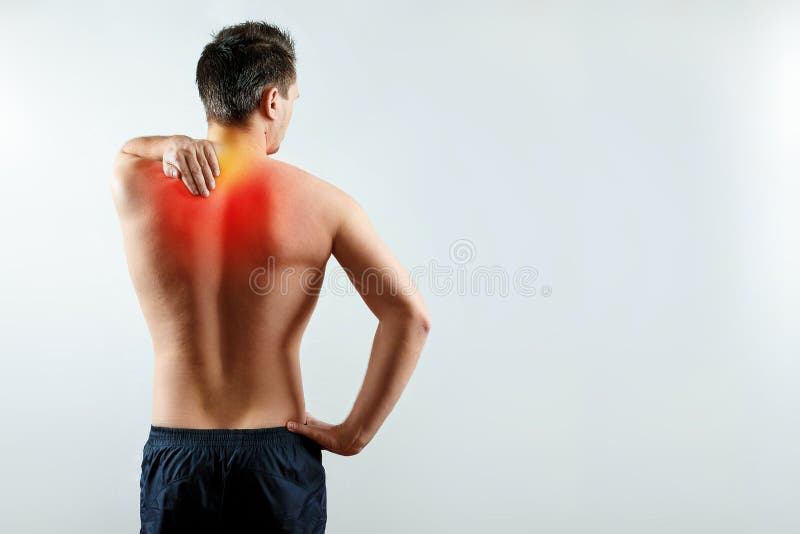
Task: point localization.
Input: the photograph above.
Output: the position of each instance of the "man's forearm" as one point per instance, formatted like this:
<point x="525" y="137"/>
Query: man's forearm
<point x="151" y="147"/>
<point x="396" y="349"/>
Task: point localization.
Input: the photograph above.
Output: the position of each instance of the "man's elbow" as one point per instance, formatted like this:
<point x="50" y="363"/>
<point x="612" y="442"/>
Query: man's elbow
<point x="418" y="318"/>
<point x="424" y="321"/>
<point x="127" y="146"/>
<point x="406" y="315"/>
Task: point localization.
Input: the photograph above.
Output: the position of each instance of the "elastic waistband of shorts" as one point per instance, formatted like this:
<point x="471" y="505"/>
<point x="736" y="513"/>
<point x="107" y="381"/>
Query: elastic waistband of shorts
<point x="164" y="435"/>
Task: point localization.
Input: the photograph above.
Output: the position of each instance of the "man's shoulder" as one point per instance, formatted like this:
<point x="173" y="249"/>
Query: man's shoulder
<point x="337" y="205"/>
<point x="314" y="184"/>
<point x="130" y="177"/>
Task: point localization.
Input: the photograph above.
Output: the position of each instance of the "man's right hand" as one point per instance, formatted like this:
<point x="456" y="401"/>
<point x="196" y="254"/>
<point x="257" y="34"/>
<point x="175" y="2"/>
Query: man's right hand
<point x="334" y="438"/>
<point x="194" y="161"/>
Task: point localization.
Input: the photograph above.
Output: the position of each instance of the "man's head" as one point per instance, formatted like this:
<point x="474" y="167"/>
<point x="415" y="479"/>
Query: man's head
<point x="246" y="76"/>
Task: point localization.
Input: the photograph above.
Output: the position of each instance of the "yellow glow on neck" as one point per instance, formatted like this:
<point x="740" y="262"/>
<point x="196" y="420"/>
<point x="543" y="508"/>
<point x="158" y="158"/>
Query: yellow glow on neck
<point x="236" y="160"/>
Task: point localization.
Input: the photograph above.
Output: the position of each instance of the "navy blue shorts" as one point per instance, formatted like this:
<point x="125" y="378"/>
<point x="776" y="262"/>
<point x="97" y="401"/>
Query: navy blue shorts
<point x="231" y="481"/>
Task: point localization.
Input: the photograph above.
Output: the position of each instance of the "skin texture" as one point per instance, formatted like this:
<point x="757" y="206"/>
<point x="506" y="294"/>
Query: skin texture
<point x="227" y="262"/>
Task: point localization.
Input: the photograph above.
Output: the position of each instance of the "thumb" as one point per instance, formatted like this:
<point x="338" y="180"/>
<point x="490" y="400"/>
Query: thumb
<point x="295" y="427"/>
<point x="312" y="432"/>
<point x="170" y="171"/>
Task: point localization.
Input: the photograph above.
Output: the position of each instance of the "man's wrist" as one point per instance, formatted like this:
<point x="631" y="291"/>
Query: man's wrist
<point x="355" y="433"/>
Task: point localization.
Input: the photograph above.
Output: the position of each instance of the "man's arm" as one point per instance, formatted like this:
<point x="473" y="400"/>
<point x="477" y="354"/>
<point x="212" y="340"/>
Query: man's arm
<point x="194" y="160"/>
<point x="403" y="327"/>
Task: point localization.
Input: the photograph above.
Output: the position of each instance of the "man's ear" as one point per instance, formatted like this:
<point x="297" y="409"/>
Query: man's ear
<point x="269" y="103"/>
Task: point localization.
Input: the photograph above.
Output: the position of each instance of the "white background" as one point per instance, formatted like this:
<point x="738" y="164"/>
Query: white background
<point x="642" y="156"/>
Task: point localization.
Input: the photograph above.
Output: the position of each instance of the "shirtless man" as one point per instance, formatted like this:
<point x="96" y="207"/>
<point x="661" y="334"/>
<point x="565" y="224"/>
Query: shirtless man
<point x="227" y="263"/>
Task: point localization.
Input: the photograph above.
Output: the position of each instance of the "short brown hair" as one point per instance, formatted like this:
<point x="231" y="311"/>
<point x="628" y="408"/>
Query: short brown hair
<point x="238" y="64"/>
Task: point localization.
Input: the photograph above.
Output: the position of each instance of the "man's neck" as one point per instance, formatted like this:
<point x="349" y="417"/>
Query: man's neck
<point x="237" y="141"/>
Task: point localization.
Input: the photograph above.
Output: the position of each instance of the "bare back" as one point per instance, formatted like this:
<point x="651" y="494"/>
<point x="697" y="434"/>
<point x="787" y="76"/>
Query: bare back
<point x="227" y="285"/>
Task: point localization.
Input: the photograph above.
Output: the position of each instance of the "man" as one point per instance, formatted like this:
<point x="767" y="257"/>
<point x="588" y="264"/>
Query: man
<point x="227" y="264"/>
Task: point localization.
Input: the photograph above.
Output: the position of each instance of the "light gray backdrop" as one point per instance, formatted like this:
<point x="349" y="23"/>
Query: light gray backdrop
<point x="634" y="165"/>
